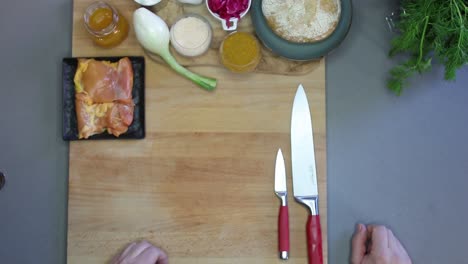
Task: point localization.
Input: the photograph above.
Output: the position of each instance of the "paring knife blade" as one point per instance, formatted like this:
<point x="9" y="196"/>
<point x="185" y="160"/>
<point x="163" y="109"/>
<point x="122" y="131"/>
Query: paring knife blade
<point x="283" y="216"/>
<point x="280" y="174"/>
<point x="304" y="172"/>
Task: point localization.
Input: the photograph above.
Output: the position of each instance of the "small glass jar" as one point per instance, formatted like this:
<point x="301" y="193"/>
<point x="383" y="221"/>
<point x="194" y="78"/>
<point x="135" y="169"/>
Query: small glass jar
<point x="106" y="26"/>
<point x="191" y="35"/>
<point x="240" y="52"/>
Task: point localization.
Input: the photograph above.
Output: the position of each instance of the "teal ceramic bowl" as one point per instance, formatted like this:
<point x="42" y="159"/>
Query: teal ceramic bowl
<point x="300" y="51"/>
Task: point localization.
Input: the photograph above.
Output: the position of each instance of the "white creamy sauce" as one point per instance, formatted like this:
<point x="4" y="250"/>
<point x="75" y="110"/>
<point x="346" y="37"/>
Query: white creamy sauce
<point x="191" y="36"/>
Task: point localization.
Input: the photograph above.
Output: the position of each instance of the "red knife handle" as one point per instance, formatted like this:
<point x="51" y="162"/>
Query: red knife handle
<point x="314" y="240"/>
<point x="283" y="229"/>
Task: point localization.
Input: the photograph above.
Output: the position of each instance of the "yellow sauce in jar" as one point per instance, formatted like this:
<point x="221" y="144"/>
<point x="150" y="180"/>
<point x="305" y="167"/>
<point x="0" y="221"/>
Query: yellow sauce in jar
<point x="106" y="26"/>
<point x="240" y="52"/>
<point x="100" y="19"/>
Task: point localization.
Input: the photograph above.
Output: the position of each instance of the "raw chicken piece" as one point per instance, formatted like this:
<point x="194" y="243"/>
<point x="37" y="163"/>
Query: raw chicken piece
<point x="103" y="97"/>
<point x="119" y="118"/>
<point x="90" y="118"/>
<point x="103" y="81"/>
<point x="96" y="118"/>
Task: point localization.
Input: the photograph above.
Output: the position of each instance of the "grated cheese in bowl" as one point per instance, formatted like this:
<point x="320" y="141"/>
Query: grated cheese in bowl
<point x="302" y="21"/>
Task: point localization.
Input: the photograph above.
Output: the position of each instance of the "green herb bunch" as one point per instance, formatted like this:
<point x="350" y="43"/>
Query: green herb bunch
<point x="430" y="29"/>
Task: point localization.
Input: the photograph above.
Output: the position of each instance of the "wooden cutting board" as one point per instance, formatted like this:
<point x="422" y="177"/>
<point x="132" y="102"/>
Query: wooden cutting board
<point x="200" y="185"/>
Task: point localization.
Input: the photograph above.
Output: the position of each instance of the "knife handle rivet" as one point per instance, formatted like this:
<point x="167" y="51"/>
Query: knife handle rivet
<point x="2" y="180"/>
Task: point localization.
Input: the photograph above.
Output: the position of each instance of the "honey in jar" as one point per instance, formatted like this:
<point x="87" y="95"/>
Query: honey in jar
<point x="106" y="26"/>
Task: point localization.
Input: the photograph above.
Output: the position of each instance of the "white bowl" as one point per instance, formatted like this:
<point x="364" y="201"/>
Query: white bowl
<point x="233" y="20"/>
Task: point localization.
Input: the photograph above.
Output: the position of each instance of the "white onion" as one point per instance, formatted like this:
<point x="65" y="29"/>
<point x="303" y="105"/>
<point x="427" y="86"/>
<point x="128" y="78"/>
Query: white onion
<point x="153" y="34"/>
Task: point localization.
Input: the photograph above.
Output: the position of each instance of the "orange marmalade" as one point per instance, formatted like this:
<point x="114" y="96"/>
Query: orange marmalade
<point x="240" y="52"/>
<point x="106" y="26"/>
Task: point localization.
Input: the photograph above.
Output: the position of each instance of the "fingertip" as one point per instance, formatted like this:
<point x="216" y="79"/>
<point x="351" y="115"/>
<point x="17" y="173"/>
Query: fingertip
<point x="359" y="227"/>
<point x="129" y="247"/>
<point x="379" y="238"/>
<point x="376" y="228"/>
<point x="145" y="242"/>
<point x="362" y="227"/>
<point x="163" y="253"/>
<point x="359" y="237"/>
<point x="163" y="257"/>
<point x="358" y="244"/>
<point x="381" y="229"/>
<point x="131" y="244"/>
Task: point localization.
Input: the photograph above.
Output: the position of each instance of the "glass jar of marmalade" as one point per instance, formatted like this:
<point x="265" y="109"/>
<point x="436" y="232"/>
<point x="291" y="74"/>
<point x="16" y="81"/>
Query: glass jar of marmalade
<point x="240" y="52"/>
<point x="105" y="24"/>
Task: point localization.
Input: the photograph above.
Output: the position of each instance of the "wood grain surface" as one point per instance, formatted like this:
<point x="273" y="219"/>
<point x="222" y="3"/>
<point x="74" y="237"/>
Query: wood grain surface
<point x="200" y="185"/>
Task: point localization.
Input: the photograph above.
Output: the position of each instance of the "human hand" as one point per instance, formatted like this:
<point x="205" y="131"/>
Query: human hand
<point x="377" y="245"/>
<point x="141" y="253"/>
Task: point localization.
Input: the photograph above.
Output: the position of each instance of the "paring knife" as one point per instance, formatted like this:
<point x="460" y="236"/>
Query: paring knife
<point x="283" y="217"/>
<point x="304" y="172"/>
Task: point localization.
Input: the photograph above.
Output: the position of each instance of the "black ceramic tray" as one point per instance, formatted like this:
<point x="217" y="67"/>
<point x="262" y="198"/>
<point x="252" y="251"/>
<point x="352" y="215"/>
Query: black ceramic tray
<point x="70" y="125"/>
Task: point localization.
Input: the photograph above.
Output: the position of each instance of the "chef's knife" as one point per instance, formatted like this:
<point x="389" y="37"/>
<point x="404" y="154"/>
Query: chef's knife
<point x="304" y="172"/>
<point x="283" y="217"/>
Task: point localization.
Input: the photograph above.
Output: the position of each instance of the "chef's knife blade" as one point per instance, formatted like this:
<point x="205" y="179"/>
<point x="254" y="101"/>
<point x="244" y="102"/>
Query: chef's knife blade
<point x="304" y="172"/>
<point x="302" y="148"/>
<point x="283" y="216"/>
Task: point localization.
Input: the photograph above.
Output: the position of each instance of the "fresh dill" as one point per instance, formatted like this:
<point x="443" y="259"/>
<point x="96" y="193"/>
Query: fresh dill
<point x="429" y="29"/>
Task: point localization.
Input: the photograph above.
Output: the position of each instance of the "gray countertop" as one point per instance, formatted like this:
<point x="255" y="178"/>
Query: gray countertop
<point x="398" y="161"/>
